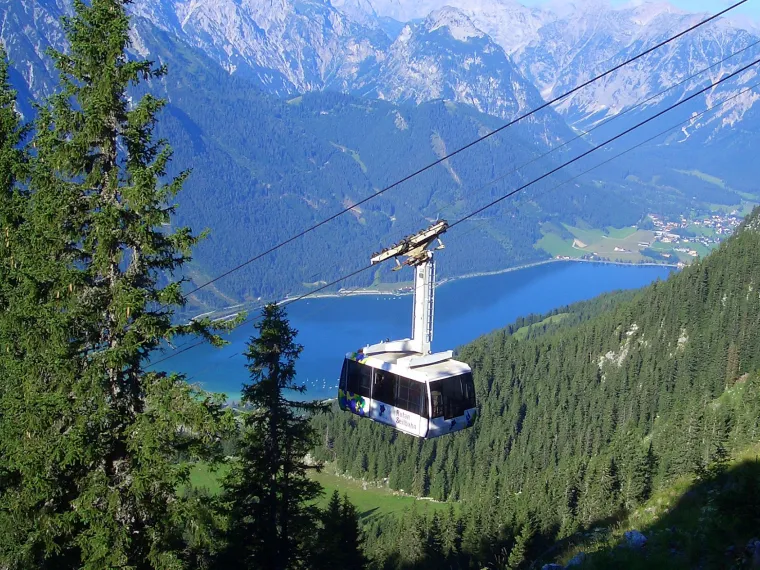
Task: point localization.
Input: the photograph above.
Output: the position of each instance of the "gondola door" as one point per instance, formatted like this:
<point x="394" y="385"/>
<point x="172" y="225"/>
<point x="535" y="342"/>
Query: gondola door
<point x="355" y="388"/>
<point x="399" y="402"/>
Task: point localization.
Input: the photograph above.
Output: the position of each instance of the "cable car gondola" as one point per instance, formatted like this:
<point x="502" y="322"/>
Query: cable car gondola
<point x="401" y="383"/>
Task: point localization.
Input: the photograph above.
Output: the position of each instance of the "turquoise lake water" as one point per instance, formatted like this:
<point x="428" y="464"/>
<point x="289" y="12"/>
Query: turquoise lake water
<point x="465" y="309"/>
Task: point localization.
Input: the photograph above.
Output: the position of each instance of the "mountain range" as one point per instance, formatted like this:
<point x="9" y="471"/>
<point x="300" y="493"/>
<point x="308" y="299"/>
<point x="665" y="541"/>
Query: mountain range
<point x="290" y="110"/>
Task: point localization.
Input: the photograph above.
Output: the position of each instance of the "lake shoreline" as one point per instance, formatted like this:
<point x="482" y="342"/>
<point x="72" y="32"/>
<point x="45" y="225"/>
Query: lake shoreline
<point x="408" y="290"/>
<point x="468" y="308"/>
<point x="223" y="315"/>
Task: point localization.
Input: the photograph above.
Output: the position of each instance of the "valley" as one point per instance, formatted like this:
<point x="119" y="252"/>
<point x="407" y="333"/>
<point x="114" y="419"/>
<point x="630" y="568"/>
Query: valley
<point x="305" y="160"/>
<point x="466" y="309"/>
<point x="214" y="213"/>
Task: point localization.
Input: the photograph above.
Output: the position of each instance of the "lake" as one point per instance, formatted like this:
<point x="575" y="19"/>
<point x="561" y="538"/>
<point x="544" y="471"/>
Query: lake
<point x="465" y="309"/>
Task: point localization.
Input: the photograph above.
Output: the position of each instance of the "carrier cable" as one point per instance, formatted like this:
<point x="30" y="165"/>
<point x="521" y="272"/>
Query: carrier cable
<point x="284" y="302"/>
<point x="465" y="147"/>
<point x="605" y="143"/>
<point x="363" y="269"/>
<point x="606" y="121"/>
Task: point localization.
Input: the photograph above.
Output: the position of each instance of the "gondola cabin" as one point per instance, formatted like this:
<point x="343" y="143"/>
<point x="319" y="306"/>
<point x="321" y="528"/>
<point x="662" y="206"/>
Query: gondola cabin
<point x="427" y="400"/>
<point x="401" y="383"/>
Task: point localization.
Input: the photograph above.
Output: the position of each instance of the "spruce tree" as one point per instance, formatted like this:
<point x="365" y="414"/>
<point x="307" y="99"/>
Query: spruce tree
<point x="92" y="439"/>
<point x="326" y="548"/>
<point x="12" y="163"/>
<point x="351" y="536"/>
<point x="268" y="494"/>
<point x="339" y="540"/>
<point x="519" y="552"/>
<point x="13" y="168"/>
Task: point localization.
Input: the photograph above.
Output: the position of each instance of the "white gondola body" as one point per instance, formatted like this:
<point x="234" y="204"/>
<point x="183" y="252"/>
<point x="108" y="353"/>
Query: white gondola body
<point x="401" y="383"/>
<point x="425" y="401"/>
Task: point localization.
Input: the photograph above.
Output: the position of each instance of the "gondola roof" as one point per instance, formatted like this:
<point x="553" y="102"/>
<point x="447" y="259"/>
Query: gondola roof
<point x="397" y="362"/>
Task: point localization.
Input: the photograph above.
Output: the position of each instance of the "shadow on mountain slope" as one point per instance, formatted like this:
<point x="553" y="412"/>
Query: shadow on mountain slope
<point x="704" y="523"/>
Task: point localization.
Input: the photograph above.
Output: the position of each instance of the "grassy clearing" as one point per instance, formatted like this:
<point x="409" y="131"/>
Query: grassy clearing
<point x="588" y="236"/>
<point x="555" y="245"/>
<point x="353" y="154"/>
<point x="610" y="245"/>
<point x="522" y="332"/>
<point x="621" y="233"/>
<point x="599" y="242"/>
<point x="370" y="500"/>
<point x="203" y="477"/>
<point x="702" y="230"/>
<point x="744" y="209"/>
<point x="706" y="178"/>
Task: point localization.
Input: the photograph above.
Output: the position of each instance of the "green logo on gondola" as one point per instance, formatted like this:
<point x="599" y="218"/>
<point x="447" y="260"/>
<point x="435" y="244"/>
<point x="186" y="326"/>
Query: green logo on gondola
<point x="352" y="402"/>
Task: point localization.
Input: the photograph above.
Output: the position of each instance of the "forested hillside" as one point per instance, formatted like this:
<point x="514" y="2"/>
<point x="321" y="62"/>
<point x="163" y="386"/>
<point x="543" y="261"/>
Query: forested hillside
<point x="585" y="415"/>
<point x="264" y="168"/>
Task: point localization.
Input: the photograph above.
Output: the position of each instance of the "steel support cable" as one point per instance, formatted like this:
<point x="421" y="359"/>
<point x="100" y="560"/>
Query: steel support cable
<point x="586" y="133"/>
<point x="605" y="143"/>
<point x="467" y="146"/>
<point x="284" y="302"/>
<point x="606" y="121"/>
<point x="595" y="127"/>
<point x="688" y="120"/>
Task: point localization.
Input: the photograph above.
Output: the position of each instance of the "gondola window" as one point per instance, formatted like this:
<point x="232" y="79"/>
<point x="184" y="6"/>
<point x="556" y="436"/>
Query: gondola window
<point x="409" y="395"/>
<point x="452" y="396"/>
<point x="358" y="378"/>
<point x="384" y="387"/>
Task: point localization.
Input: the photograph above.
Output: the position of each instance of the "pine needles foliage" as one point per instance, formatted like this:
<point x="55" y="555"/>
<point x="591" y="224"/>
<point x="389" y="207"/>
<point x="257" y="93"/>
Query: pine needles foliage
<point x="90" y="439"/>
<point x="268" y="495"/>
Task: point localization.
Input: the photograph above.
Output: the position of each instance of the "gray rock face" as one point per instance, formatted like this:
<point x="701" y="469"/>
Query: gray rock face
<point x="295" y="47"/>
<point x="448" y="57"/>
<point x="561" y="46"/>
<point x="496" y="55"/>
<point x="635" y="539"/>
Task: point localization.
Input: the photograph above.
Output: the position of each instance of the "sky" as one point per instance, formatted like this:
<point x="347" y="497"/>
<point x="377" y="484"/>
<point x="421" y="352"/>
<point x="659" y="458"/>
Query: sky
<point x="750" y="9"/>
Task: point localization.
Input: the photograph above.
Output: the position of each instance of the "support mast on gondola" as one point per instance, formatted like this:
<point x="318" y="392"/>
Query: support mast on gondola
<point x="402" y="383"/>
<point x="416" y="250"/>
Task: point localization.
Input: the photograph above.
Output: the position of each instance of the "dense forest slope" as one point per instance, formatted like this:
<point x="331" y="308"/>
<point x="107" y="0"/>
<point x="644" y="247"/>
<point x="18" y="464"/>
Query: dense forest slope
<point x="585" y="415"/>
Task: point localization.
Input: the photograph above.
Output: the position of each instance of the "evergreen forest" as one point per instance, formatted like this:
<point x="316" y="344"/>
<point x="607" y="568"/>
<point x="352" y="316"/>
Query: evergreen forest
<point x="582" y="417"/>
<point x="586" y="415"/>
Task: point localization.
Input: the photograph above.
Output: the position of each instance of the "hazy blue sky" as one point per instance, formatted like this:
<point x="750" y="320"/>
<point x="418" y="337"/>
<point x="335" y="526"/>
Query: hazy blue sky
<point x="750" y="8"/>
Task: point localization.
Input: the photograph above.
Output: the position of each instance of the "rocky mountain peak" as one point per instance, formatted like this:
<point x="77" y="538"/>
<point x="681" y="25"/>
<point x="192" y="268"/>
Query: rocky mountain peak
<point x="458" y="25"/>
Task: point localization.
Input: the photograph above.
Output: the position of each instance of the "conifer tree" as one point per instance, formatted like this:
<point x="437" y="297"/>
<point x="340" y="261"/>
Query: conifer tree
<point x="639" y="481"/>
<point x="338" y="541"/>
<point x="91" y="438"/>
<point x="12" y="161"/>
<point x="267" y="492"/>
<point x="12" y="166"/>
<point x="351" y="536"/>
<point x="519" y="552"/>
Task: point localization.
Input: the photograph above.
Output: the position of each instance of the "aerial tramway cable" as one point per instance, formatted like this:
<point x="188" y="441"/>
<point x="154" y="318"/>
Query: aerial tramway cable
<point x="605" y="143"/>
<point x="690" y="119"/>
<point x="604" y="122"/>
<point x="523" y="187"/>
<point x="467" y="146"/>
